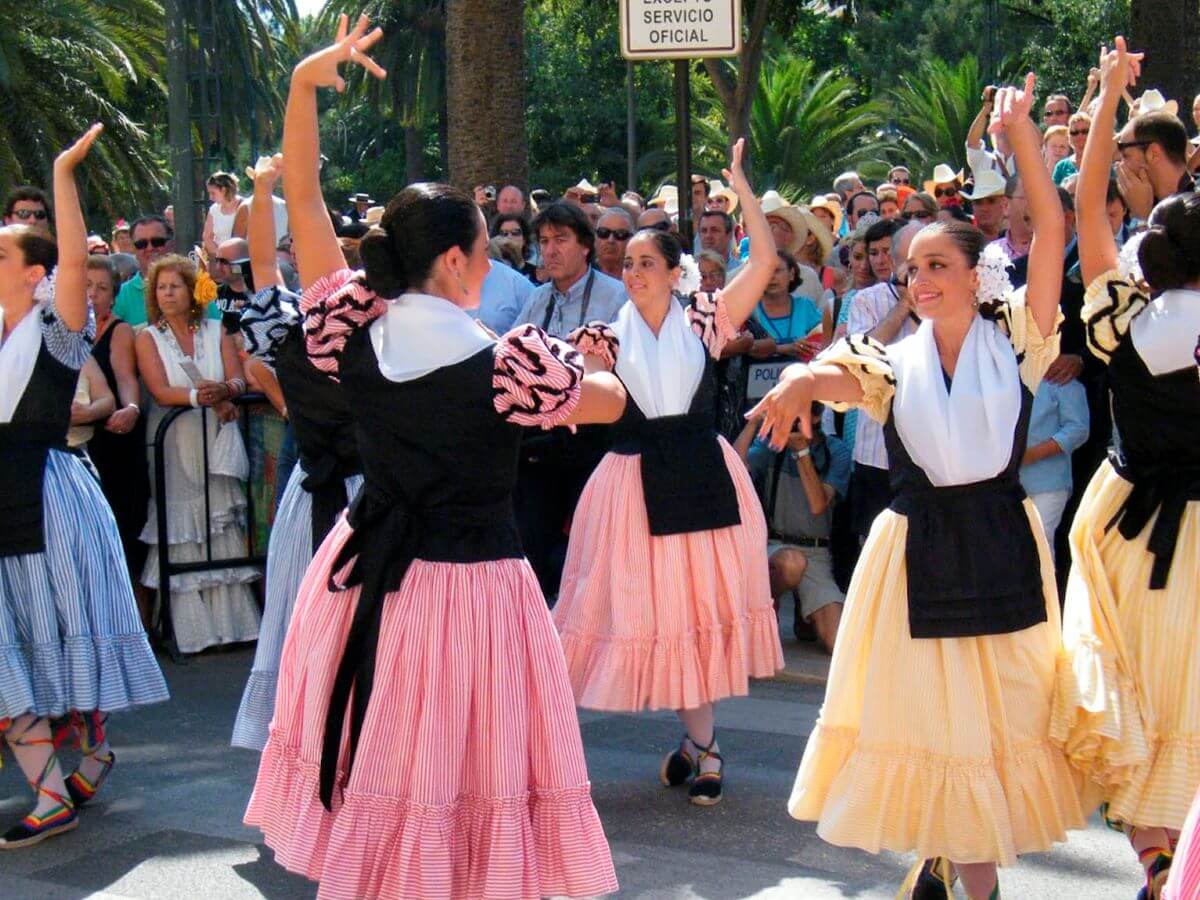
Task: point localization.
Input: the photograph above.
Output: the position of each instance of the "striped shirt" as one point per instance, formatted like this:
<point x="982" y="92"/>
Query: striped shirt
<point x="869" y="307"/>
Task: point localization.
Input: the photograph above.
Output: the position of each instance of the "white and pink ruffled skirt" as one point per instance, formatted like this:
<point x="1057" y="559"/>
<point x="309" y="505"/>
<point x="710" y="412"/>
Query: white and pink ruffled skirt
<point x="469" y="778"/>
<point x="664" y="622"/>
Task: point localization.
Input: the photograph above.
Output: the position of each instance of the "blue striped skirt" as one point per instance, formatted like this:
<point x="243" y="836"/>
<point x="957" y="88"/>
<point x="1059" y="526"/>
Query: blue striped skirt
<point x="70" y="634"/>
<point x="288" y="555"/>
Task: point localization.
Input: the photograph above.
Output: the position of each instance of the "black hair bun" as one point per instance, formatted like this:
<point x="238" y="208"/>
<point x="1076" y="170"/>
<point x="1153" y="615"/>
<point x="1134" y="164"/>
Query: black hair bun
<point x="381" y="264"/>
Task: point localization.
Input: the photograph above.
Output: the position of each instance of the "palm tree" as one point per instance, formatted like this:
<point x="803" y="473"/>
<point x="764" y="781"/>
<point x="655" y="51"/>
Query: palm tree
<point x="65" y="64"/>
<point x="805" y="127"/>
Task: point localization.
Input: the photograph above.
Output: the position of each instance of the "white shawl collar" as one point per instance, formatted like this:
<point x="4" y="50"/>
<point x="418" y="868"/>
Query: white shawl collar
<point x="1164" y="333"/>
<point x="662" y="373"/>
<point x="420" y="333"/>
<point x="964" y="435"/>
<point x="18" y="354"/>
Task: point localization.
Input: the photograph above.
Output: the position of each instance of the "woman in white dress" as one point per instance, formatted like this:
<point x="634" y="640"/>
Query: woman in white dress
<point x="218" y="224"/>
<point x="215" y="607"/>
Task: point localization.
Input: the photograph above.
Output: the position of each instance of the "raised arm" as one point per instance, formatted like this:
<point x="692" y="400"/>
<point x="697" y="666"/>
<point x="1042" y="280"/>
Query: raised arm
<point x="1049" y="229"/>
<point x="746" y="288"/>
<point x="70" y="280"/>
<point x="980" y="123"/>
<point x="264" y="264"/>
<point x="1097" y="246"/>
<point x="317" y="251"/>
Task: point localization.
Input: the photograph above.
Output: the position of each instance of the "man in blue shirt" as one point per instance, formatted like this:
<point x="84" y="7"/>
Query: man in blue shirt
<point x="798" y="488"/>
<point x="1057" y="427"/>
<point x="503" y="296"/>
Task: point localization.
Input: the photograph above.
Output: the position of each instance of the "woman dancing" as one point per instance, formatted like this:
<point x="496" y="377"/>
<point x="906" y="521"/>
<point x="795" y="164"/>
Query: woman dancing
<point x="934" y="733"/>
<point x="71" y="640"/>
<point x="329" y="473"/>
<point x="665" y="600"/>
<point x="1128" y="710"/>
<point x="424" y="743"/>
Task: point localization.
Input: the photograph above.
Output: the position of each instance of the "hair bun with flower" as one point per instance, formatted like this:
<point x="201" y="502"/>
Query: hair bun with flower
<point x="689" y="275"/>
<point x="995" y="281"/>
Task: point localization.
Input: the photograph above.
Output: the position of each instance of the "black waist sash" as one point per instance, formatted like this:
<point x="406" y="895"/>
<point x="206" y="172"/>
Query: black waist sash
<point x="972" y="560"/>
<point x="1164" y="488"/>
<point x="388" y="535"/>
<point x="684" y="477"/>
<point x="325" y="479"/>
<point x="23" y="451"/>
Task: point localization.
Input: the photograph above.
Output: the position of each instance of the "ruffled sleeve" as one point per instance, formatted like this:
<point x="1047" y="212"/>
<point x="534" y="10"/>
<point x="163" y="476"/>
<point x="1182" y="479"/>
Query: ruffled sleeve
<point x="266" y="319"/>
<point x="866" y="359"/>
<point x="1035" y="354"/>
<point x="596" y="339"/>
<point x="334" y="307"/>
<point x="537" y="379"/>
<point x="71" y="348"/>
<point x="709" y="319"/>
<point x="1109" y="306"/>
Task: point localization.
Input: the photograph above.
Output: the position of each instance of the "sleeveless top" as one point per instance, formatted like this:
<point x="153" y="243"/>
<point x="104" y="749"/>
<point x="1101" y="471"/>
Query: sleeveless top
<point x="222" y="223"/>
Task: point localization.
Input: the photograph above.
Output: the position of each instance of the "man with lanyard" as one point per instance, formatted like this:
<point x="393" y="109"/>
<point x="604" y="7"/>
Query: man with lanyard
<point x="555" y="465"/>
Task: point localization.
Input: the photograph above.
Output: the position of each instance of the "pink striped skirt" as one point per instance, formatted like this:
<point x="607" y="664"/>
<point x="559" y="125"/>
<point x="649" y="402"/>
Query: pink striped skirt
<point x="469" y="779"/>
<point x="663" y="622"/>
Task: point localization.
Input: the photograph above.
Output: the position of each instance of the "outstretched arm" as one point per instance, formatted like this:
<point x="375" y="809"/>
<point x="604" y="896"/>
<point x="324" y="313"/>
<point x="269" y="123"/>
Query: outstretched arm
<point x="1097" y="246"/>
<point x="1045" y="209"/>
<point x="317" y="251"/>
<point x="264" y="264"/>
<point x="746" y="288"/>
<point x="791" y="400"/>
<point x="70" y="281"/>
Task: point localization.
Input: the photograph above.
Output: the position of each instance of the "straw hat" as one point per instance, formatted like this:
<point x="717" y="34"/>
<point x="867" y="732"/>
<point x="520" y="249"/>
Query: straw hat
<point x="818" y="228"/>
<point x="774" y="205"/>
<point x="834" y="209"/>
<point x="942" y="174"/>
<point x="1153" y="101"/>
<point x="718" y="188"/>
<point x="667" y="199"/>
<point x="988" y="183"/>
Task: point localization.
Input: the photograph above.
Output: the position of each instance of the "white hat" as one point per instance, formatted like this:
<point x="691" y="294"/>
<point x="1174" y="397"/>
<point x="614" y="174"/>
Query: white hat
<point x="667" y="198"/>
<point x="585" y="187"/>
<point x="717" y="188"/>
<point x="374" y="215"/>
<point x="1153" y="101"/>
<point x="774" y="205"/>
<point x="942" y="174"/>
<point x="988" y="183"/>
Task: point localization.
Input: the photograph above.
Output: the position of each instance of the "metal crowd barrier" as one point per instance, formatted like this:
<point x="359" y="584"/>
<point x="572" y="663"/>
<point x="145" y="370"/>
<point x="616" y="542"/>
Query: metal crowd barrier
<point x="166" y="568"/>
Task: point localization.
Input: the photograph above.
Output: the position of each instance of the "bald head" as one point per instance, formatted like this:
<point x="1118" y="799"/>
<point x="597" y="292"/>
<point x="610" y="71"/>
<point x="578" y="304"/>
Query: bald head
<point x="902" y="240"/>
<point x="228" y="252"/>
<point x="234" y="248"/>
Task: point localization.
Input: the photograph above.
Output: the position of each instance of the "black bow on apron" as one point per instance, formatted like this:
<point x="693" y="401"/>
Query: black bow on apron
<point x="1163" y="488"/>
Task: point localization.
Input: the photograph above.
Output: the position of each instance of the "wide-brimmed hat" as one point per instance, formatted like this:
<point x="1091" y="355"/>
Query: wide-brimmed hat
<point x="834" y="209"/>
<point x="667" y="199"/>
<point x="818" y="228"/>
<point x="360" y="198"/>
<point x="774" y="205"/>
<point x="988" y="183"/>
<point x="718" y="188"/>
<point x="942" y="174"/>
<point x="1153" y="101"/>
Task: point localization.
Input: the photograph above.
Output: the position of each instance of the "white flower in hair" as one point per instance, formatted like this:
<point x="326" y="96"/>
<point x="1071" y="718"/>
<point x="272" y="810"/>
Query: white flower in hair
<point x="1128" y="263"/>
<point x="995" y="283"/>
<point x="689" y="275"/>
<point x="43" y="291"/>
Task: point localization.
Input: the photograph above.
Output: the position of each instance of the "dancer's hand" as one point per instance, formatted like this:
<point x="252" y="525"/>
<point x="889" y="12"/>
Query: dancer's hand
<point x="1012" y="105"/>
<point x="77" y="152"/>
<point x="321" y="68"/>
<point x="1119" y="69"/>
<point x="266" y="172"/>
<point x="785" y="404"/>
<point x="735" y="175"/>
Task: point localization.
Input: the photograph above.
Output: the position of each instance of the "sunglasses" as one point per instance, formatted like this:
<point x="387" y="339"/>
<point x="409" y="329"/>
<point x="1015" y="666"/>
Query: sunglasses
<point x="1125" y="145"/>
<point x="24" y="214"/>
<point x="156" y="242"/>
<point x="945" y="192"/>
<point x="900" y="179"/>
<point x="1076" y="132"/>
<point x="619" y="235"/>
<point x="221" y="261"/>
<point x="505" y="233"/>
<point x="921" y="215"/>
<point x="664" y="225"/>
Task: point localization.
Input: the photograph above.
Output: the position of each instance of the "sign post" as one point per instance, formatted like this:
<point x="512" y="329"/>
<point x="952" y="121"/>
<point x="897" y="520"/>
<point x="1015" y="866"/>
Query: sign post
<point x="682" y="30"/>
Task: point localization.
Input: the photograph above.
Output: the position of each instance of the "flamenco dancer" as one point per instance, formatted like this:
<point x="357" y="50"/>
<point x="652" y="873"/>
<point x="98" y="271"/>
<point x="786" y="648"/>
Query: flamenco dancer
<point x="665" y="600"/>
<point x="1128" y="710"/>
<point x="329" y="472"/>
<point x="72" y="646"/>
<point x="425" y="743"/>
<point x="934" y="734"/>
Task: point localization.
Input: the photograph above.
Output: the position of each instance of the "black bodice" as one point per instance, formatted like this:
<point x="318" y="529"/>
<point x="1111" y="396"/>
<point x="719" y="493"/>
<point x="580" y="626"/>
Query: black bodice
<point x="971" y="556"/>
<point x="39" y="423"/>
<point x="684" y="477"/>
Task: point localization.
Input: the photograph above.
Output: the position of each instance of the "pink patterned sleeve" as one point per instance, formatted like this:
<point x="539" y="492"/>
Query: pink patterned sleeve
<point x="537" y="379"/>
<point x="333" y="308"/>
<point x="710" y="321"/>
<point x="596" y="339"/>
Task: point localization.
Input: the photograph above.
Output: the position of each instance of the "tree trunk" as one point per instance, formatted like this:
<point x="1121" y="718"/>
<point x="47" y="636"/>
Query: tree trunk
<point x="414" y="152"/>
<point x="737" y="92"/>
<point x="485" y="92"/>
<point x="1169" y="33"/>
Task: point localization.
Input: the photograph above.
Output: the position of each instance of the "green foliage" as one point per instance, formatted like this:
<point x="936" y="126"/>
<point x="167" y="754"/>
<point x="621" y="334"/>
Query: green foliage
<point x="1062" y="51"/>
<point x="805" y="127"/>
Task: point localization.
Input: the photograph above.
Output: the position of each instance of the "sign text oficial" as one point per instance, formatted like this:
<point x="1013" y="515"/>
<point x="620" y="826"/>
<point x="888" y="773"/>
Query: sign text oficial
<point x="679" y="29"/>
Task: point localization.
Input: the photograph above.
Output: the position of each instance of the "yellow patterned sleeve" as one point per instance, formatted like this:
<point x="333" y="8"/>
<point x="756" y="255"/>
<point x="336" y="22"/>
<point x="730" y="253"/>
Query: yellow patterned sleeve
<point x="1109" y="306"/>
<point x="867" y="360"/>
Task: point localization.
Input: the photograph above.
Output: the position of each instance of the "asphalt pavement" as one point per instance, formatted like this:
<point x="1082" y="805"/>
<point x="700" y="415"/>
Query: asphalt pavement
<point x="168" y="822"/>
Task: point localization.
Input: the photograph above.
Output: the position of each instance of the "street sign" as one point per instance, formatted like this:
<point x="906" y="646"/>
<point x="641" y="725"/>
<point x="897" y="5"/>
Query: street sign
<point x="680" y="29"/>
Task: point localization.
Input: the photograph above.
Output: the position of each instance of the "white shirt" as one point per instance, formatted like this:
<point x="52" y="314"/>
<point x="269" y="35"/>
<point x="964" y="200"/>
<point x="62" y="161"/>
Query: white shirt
<point x="869" y="307"/>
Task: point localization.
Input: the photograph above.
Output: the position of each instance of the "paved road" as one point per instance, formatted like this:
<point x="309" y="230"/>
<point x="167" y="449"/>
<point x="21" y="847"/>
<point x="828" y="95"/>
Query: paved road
<point x="168" y="824"/>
